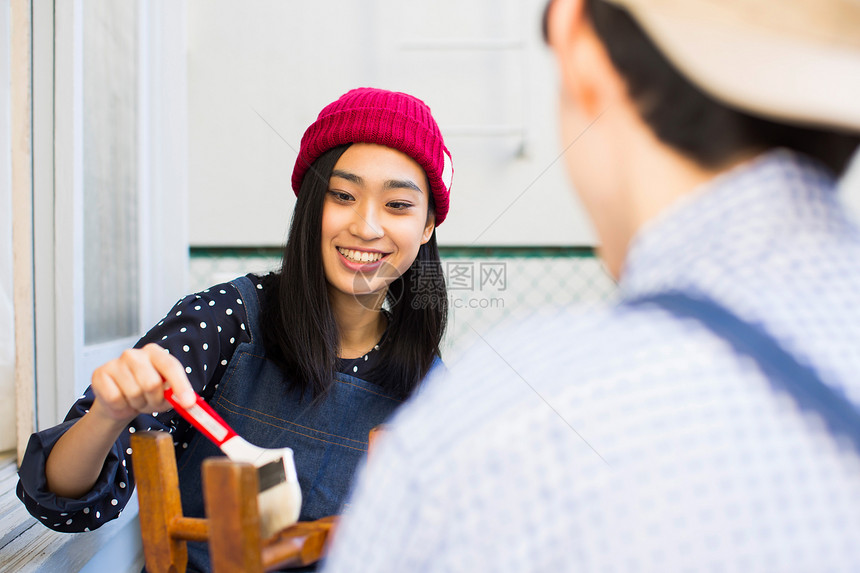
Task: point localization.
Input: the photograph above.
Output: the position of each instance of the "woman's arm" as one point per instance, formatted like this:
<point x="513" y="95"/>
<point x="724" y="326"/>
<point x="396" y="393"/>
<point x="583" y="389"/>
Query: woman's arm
<point x="124" y="387"/>
<point x="202" y="331"/>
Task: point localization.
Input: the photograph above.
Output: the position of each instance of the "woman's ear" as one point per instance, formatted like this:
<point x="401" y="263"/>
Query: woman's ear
<point x="429" y="227"/>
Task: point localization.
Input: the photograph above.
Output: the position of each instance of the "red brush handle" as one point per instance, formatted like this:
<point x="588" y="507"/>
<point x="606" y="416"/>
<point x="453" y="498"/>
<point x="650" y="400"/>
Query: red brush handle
<point x="204" y="418"/>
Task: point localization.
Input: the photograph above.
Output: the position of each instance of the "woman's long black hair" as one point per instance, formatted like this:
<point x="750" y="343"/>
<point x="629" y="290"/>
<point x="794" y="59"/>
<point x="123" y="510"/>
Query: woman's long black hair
<point x="299" y="329"/>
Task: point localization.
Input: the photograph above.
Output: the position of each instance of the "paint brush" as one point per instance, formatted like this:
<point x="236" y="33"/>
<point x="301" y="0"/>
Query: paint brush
<point x="280" y="497"/>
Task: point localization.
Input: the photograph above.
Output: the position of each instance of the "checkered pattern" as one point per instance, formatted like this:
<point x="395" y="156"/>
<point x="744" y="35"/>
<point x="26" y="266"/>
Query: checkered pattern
<point x="626" y="440"/>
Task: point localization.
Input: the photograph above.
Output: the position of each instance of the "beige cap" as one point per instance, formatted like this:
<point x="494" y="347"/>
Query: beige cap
<point x="791" y="60"/>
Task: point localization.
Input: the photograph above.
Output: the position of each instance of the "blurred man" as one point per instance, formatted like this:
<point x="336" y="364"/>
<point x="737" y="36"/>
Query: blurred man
<point x="709" y="420"/>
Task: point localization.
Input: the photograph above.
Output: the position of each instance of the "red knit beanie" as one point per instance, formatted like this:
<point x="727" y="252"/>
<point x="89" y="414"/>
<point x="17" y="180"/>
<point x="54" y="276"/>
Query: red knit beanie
<point x="392" y="119"/>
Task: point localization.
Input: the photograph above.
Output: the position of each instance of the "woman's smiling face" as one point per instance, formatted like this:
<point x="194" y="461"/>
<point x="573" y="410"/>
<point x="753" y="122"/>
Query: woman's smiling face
<point x="375" y="218"/>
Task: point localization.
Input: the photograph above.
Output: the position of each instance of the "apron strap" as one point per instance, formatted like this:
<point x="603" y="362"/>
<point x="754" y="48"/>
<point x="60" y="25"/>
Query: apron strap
<point x="248" y="292"/>
<point x="782" y="370"/>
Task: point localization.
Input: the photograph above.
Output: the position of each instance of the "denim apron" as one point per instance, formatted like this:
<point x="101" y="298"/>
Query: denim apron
<point x="328" y="438"/>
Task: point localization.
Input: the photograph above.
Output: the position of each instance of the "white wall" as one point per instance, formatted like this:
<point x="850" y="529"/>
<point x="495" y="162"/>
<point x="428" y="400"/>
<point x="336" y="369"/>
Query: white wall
<point x="260" y="71"/>
<point x="480" y="65"/>
<point x="7" y="332"/>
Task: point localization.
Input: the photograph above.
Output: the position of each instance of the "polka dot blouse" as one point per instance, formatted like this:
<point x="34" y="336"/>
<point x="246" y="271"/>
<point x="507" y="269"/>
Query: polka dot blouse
<point x="202" y="331"/>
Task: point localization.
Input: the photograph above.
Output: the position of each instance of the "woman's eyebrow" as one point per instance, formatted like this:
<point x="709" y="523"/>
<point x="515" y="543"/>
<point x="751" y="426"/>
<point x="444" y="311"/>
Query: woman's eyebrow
<point x="389" y="184"/>
<point x="348" y="176"/>
<point x="402" y="184"/>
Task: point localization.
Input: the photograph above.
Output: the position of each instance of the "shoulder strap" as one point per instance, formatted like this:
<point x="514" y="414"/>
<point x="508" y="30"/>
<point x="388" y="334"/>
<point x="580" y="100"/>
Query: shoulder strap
<point x="783" y="371"/>
<point x="248" y="292"/>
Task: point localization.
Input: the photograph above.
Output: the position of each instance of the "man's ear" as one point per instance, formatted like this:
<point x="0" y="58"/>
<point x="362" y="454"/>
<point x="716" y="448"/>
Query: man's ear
<point x="429" y="227"/>
<point x="580" y="55"/>
<point x="564" y="21"/>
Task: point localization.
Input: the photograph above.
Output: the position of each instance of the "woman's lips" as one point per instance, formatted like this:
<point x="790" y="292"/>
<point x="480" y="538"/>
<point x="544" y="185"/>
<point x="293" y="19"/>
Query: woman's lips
<point x="363" y="261"/>
<point x="358" y="256"/>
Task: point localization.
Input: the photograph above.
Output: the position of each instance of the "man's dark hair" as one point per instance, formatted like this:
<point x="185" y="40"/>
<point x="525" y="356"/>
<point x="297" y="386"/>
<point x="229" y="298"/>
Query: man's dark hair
<point x="299" y="329"/>
<point x="709" y="132"/>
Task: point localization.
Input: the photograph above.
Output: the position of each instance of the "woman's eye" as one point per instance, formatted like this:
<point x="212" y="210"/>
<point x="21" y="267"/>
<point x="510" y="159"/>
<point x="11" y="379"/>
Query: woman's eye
<point x="340" y="195"/>
<point x="399" y="205"/>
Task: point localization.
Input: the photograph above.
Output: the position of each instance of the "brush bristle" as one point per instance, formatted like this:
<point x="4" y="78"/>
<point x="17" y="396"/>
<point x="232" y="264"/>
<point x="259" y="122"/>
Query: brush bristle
<point x="279" y="507"/>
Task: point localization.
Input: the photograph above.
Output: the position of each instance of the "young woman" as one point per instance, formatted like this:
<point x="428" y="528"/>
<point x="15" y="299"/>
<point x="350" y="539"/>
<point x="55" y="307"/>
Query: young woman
<point x="311" y="357"/>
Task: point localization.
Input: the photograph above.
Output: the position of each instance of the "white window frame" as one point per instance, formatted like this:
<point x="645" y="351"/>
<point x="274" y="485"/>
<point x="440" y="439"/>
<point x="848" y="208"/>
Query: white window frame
<point x="6" y="240"/>
<point x="46" y="153"/>
<point x="64" y="363"/>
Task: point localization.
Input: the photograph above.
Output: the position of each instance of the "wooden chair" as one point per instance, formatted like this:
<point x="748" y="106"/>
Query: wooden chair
<point x="232" y="525"/>
<point x="373" y="436"/>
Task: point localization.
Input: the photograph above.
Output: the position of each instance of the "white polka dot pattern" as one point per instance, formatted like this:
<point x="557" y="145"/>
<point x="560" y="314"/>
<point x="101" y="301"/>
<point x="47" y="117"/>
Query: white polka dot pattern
<point x="184" y="334"/>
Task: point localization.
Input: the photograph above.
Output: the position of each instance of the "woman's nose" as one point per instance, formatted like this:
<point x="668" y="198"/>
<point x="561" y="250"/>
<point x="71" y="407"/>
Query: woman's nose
<point x="365" y="223"/>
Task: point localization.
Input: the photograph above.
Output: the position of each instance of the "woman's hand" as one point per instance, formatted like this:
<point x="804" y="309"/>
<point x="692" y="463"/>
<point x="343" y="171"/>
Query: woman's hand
<point x="123" y="388"/>
<point x="134" y="383"/>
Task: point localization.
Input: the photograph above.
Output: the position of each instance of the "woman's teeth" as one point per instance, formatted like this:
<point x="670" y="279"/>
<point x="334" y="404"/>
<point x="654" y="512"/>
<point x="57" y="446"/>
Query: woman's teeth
<point x="360" y="256"/>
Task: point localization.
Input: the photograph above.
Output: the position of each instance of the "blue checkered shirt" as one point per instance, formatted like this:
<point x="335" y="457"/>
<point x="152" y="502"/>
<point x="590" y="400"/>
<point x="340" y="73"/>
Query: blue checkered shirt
<point x="627" y="440"/>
